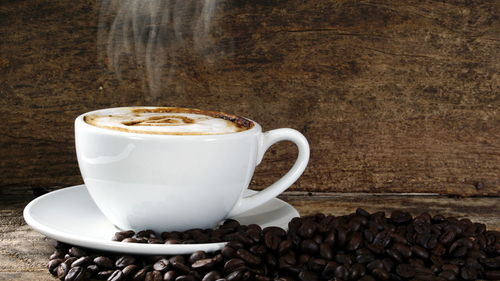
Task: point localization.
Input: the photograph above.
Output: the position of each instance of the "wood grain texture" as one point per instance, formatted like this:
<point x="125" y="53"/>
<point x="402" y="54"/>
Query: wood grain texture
<point x="24" y="252"/>
<point x="394" y="96"/>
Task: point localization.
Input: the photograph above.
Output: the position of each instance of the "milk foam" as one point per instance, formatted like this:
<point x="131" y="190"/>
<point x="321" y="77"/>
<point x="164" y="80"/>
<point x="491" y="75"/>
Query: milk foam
<point x="155" y="120"/>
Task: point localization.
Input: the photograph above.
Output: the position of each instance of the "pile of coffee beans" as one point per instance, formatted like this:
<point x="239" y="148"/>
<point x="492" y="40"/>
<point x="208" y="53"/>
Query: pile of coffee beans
<point x="228" y="231"/>
<point x="358" y="246"/>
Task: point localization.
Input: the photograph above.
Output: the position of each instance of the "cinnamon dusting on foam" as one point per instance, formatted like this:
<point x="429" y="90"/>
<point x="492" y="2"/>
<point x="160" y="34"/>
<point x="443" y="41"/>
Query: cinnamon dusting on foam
<point x="168" y="121"/>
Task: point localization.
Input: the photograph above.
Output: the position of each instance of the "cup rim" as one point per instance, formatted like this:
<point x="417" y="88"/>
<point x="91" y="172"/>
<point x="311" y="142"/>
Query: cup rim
<point x="79" y="121"/>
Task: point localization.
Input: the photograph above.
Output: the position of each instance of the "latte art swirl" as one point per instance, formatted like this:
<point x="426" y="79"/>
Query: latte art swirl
<point x="173" y="120"/>
<point x="167" y="120"/>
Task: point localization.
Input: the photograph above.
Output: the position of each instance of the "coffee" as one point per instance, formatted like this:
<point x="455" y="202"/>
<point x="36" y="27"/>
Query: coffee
<point x="356" y="246"/>
<point x="167" y="168"/>
<point x="168" y="121"/>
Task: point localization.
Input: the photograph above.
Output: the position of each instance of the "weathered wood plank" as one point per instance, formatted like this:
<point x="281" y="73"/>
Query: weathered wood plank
<point x="24" y="252"/>
<point x="394" y="96"/>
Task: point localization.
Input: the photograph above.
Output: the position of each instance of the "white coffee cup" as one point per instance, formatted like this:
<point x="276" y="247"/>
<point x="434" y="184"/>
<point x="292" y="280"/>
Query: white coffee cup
<point x="177" y="182"/>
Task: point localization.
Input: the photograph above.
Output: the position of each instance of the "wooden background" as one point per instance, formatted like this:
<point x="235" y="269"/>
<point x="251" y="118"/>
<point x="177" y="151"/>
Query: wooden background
<point x="394" y="96"/>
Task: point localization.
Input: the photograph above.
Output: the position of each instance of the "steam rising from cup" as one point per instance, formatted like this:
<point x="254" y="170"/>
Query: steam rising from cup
<point x="147" y="35"/>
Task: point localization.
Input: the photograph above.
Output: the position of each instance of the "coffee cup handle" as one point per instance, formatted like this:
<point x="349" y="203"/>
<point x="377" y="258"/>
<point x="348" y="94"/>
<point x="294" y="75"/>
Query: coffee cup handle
<point x="269" y="138"/>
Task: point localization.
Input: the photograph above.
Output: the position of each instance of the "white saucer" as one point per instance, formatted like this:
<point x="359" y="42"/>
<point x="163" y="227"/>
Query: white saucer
<point x="69" y="215"/>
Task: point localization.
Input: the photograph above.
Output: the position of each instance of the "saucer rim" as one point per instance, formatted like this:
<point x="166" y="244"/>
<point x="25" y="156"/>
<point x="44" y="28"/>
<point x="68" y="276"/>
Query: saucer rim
<point x="114" y="246"/>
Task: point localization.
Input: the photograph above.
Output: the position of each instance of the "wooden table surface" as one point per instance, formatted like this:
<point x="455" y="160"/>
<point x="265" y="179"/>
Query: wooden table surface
<point x="24" y="252"/>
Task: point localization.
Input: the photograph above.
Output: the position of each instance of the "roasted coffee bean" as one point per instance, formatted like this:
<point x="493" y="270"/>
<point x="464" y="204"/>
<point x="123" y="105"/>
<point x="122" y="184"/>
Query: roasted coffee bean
<point x="459" y="248"/>
<point x="374" y="265"/>
<point x="162" y="265"/>
<point x="326" y="251"/>
<point x="93" y="269"/>
<point x="83" y="261"/>
<point x="228" y="252"/>
<point x="368" y="235"/>
<point x="239" y="237"/>
<point x="308" y="276"/>
<point x="77" y="252"/>
<point x="271" y="260"/>
<point x="317" y="265"/>
<point x="405" y="270"/>
<point x="254" y="232"/>
<point x="309" y="246"/>
<point x="448" y="275"/>
<point x="235" y="275"/>
<point x="344" y="259"/>
<point x="170" y="275"/>
<point x="133" y="240"/>
<point x="287" y="261"/>
<point x="130" y="270"/>
<point x="76" y="273"/>
<point x="260" y="278"/>
<point x="341" y="236"/>
<point x="119" y="236"/>
<point x="447" y="237"/>
<point x="398" y="238"/>
<point x="105" y="274"/>
<point x="354" y="241"/>
<point x="278" y="231"/>
<point x="233" y="264"/>
<point x="180" y="267"/>
<point x="104" y="262"/>
<point x="439" y="250"/>
<point x="155" y="241"/>
<point x="381" y="274"/>
<point x="62" y="270"/>
<point x="450" y="267"/>
<point x="117" y="275"/>
<point x="330" y="238"/>
<point x="230" y="224"/>
<point x="146" y="234"/>
<point x="198" y="255"/>
<point x="58" y="254"/>
<point x="203" y="265"/>
<point x="400" y="217"/>
<point x="367" y="278"/>
<point x="427" y="240"/>
<point x="382" y="239"/>
<point x="468" y="273"/>
<point x="377" y="249"/>
<point x="329" y="270"/>
<point x="284" y="246"/>
<point x="248" y="257"/>
<point x="140" y="275"/>
<point x="218" y="259"/>
<point x="357" y="271"/>
<point x="341" y="272"/>
<point x="260" y="250"/>
<point x="173" y="241"/>
<point x="404" y="250"/>
<point x="388" y="264"/>
<point x="419" y="251"/>
<point x="53" y="264"/>
<point x="395" y="255"/>
<point x="153" y="276"/>
<point x="362" y="212"/>
<point x="185" y="278"/>
<point x="211" y="276"/>
<point x="271" y="240"/>
<point x="365" y="258"/>
<point x="235" y="245"/>
<point x="307" y="229"/>
<point x="123" y="261"/>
